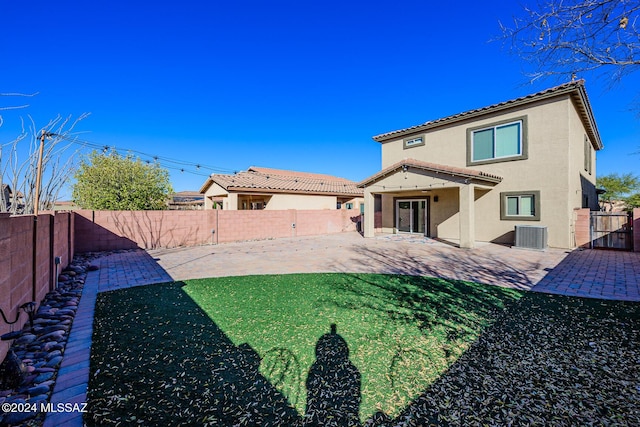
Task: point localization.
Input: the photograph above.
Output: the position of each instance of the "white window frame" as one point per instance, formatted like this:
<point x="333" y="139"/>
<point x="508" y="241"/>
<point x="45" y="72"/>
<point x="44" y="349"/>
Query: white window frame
<point x="415" y="141"/>
<point x="588" y="156"/>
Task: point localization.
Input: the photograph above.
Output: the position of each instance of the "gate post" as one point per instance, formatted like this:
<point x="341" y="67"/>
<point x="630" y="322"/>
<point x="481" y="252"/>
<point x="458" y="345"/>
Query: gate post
<point x="582" y="228"/>
<point x="636" y="230"/>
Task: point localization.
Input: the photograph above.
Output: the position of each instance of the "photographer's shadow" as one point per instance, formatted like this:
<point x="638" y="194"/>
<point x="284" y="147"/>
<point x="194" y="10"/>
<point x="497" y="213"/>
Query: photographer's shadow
<point x="333" y="385"/>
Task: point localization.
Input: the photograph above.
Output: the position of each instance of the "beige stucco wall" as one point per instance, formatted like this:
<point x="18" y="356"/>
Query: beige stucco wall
<point x="356" y="201"/>
<point x="555" y="136"/>
<point x="234" y="201"/>
<point x="443" y="215"/>
<point x="443" y="220"/>
<point x="301" y="201"/>
<point x="580" y="180"/>
<point x="310" y="202"/>
<point x="215" y="190"/>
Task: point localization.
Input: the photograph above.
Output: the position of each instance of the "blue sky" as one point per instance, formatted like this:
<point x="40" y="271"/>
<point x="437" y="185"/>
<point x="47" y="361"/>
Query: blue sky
<point x="284" y="84"/>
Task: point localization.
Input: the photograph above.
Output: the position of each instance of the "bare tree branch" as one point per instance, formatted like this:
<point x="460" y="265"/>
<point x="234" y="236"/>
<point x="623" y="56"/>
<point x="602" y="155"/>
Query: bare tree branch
<point x="565" y="39"/>
<point x="19" y="164"/>
<point x="15" y="107"/>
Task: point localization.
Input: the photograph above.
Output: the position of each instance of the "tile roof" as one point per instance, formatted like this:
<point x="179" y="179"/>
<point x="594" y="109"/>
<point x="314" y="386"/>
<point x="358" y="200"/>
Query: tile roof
<point x="433" y="167"/>
<point x="257" y="179"/>
<point x="187" y="194"/>
<point x="575" y="89"/>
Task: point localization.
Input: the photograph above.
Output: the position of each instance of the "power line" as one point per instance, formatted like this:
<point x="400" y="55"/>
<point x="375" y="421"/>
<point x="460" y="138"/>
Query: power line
<point x="181" y="165"/>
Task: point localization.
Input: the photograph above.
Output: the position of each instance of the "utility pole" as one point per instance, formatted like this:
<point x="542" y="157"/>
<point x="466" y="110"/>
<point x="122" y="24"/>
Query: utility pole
<point x="36" y="196"/>
<point x="36" y="203"/>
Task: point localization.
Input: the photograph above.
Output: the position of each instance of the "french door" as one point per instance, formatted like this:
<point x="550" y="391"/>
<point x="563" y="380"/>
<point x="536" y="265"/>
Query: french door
<point x="411" y="216"/>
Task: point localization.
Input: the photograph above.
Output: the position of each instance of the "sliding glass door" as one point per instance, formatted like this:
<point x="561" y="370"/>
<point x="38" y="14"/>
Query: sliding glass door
<point x="411" y="216"/>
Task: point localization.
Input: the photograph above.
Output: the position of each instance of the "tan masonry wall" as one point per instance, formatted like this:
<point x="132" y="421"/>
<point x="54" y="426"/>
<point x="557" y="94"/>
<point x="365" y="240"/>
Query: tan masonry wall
<point x="112" y="230"/>
<point x="53" y="236"/>
<point x="582" y="228"/>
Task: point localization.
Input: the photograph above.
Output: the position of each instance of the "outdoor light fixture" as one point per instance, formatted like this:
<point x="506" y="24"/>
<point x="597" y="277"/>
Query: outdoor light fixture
<point x="30" y="309"/>
<point x="27" y="307"/>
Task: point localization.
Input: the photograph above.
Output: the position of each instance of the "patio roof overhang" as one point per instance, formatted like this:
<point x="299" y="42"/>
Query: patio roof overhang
<point x="455" y="175"/>
<point x="411" y="176"/>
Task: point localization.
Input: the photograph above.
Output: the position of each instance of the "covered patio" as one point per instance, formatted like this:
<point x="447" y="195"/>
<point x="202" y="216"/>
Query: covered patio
<point x="427" y="199"/>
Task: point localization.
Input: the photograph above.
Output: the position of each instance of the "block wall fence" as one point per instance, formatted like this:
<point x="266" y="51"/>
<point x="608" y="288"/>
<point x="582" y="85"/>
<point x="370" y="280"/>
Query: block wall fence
<point x="27" y="269"/>
<point x="28" y="247"/>
<point x="113" y="230"/>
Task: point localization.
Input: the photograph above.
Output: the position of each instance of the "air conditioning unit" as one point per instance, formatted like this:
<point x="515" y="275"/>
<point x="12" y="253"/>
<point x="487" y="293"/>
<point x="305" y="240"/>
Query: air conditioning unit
<point x="531" y="237"/>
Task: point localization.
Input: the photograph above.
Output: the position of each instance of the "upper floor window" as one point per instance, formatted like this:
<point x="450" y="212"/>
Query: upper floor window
<point x="499" y="142"/>
<point x="413" y="142"/>
<point x="587" y="155"/>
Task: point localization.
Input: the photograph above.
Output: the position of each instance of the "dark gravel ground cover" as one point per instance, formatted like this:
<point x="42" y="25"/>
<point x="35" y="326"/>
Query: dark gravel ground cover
<point x="261" y="350"/>
<point x="550" y="360"/>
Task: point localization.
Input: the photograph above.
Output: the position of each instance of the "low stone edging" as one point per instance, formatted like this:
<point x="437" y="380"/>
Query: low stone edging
<point x="41" y="350"/>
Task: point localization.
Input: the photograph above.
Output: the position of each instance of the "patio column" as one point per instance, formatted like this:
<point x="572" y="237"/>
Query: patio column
<point x="467" y="216"/>
<point x="232" y="200"/>
<point x="369" y="214"/>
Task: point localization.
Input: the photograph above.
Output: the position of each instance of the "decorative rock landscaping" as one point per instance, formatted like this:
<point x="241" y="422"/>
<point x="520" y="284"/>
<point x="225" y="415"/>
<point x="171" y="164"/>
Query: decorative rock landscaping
<point x="36" y="352"/>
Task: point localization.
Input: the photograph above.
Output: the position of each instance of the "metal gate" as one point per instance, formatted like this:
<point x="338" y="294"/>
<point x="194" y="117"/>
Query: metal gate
<point x="611" y="230"/>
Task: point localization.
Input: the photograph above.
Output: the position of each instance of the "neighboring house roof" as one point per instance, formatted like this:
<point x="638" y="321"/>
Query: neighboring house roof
<point x="186" y="196"/>
<point x="257" y="179"/>
<point x="575" y="89"/>
<point x="435" y="168"/>
<point x="7" y="188"/>
<point x="66" y="205"/>
<point x="186" y="199"/>
<point x="8" y="192"/>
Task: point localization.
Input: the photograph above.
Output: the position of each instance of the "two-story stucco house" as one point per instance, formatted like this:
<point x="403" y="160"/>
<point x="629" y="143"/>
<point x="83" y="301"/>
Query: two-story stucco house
<point x="475" y="175"/>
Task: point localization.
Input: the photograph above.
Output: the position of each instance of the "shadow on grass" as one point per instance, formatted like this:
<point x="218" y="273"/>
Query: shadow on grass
<point x="459" y="308"/>
<point x="333" y="385"/>
<point x="551" y="360"/>
<point x="158" y="359"/>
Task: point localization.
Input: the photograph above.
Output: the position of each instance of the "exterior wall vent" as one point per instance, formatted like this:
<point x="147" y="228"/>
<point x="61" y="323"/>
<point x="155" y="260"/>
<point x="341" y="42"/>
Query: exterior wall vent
<point x="531" y="237"/>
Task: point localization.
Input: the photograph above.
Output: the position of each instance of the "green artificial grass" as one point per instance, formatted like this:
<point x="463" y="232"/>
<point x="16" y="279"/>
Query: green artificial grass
<point x="402" y="331"/>
<point x="238" y="350"/>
